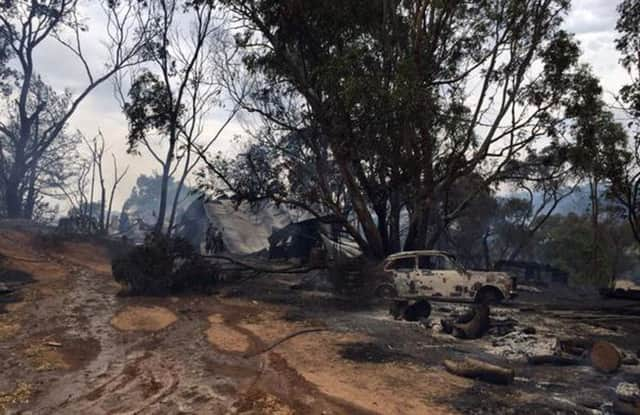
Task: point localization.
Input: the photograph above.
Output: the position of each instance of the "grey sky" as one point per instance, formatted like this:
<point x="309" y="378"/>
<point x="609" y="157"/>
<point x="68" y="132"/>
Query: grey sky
<point x="593" y="22"/>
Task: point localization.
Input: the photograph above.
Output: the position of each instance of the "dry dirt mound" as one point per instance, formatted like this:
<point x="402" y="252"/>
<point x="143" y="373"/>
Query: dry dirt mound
<point x="136" y="318"/>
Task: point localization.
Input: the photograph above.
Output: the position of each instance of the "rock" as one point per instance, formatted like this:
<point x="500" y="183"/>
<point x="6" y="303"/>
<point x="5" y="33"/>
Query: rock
<point x="529" y="330"/>
<point x="605" y="357"/>
<point x="628" y="392"/>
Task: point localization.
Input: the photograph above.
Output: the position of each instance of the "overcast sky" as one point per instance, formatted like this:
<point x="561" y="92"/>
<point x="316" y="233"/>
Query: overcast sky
<point x="593" y="22"/>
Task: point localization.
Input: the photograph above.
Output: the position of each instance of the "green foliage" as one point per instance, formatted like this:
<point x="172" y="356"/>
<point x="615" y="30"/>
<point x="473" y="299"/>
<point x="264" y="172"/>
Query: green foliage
<point x="162" y="266"/>
<point x="150" y="108"/>
<point x="375" y="97"/>
<point x="567" y="243"/>
<point x="628" y="44"/>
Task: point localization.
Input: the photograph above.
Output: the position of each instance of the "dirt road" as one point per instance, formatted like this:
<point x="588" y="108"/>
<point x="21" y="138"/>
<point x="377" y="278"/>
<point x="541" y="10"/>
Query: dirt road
<point x="70" y="345"/>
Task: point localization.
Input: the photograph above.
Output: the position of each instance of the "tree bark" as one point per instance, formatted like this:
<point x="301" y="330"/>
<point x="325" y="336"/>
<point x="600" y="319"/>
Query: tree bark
<point x="394" y="223"/>
<point x="166" y="172"/>
<point x="374" y="240"/>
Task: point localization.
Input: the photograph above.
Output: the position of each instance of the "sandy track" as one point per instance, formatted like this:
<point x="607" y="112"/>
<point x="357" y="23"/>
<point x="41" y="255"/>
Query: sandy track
<point x="169" y="355"/>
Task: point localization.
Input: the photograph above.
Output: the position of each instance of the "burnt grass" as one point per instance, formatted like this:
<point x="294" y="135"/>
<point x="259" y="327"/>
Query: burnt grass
<point x="557" y="390"/>
<point x="371" y="352"/>
<point x="13" y="279"/>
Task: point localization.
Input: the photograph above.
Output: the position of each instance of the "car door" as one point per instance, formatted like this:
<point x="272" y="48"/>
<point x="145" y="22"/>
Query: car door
<point x="404" y="272"/>
<point x="441" y="277"/>
<point x="453" y="283"/>
<point x="429" y="284"/>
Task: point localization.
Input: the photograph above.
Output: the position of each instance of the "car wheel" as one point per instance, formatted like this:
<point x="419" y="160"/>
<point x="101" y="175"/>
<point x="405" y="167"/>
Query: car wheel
<point x="489" y="296"/>
<point x="386" y="291"/>
<point x="417" y="311"/>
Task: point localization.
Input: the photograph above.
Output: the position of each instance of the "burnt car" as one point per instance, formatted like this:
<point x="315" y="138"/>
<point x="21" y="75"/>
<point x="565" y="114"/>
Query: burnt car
<point x="436" y="275"/>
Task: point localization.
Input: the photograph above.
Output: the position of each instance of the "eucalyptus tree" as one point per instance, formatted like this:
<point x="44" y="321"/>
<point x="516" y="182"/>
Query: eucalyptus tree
<point x="625" y="187"/>
<point x="386" y="105"/>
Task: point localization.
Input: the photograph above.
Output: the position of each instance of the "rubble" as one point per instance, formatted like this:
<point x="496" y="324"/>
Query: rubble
<point x="628" y="392"/>
<point x="629" y="360"/>
<point x="518" y="346"/>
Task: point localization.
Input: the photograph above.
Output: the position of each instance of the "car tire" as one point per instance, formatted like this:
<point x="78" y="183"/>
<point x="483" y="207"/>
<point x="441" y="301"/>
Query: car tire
<point x="417" y="311"/>
<point x="386" y="291"/>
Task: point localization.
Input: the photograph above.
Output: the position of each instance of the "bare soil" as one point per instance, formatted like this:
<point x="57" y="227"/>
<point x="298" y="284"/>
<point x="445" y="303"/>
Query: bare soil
<point x="70" y="344"/>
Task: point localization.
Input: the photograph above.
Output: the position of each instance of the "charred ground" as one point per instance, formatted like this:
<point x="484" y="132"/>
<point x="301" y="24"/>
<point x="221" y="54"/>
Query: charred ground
<point x="70" y="344"/>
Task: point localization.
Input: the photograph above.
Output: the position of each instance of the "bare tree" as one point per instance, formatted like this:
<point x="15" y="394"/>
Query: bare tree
<point x="169" y="102"/>
<point x="117" y="178"/>
<point x="96" y="148"/>
<point x="24" y="28"/>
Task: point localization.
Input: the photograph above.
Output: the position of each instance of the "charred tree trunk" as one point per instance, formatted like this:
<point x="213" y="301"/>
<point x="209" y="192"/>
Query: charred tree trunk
<point x="164" y="190"/>
<point x="394" y="223"/>
<point x="594" y="226"/>
<point x="375" y="246"/>
<point x="13" y="195"/>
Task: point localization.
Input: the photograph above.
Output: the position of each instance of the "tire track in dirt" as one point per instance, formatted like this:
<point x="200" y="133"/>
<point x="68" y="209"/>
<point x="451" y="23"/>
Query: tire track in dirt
<point x="275" y="386"/>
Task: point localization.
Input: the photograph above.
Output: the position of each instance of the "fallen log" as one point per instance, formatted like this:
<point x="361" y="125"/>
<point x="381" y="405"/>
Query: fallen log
<point x="477" y="369"/>
<point x="555" y="360"/>
<point x="605" y="357"/>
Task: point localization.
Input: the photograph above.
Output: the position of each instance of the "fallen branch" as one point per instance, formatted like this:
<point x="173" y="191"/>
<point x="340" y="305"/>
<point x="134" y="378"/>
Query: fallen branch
<point x="284" y="339"/>
<point x="477" y="369"/>
<point x="289" y="270"/>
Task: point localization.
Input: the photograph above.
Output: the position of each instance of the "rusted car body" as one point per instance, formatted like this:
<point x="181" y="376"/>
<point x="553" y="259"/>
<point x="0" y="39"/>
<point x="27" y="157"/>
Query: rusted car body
<point x="435" y="275"/>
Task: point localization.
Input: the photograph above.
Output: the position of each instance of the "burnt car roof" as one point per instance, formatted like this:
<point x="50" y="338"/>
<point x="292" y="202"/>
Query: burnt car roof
<point x="419" y="252"/>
